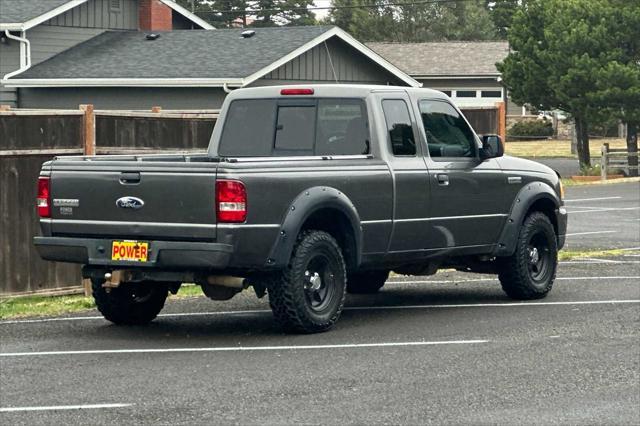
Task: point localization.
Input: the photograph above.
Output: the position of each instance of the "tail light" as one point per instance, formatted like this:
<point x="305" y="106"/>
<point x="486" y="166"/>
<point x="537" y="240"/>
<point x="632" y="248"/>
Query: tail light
<point x="44" y="196"/>
<point x="231" y="201"/>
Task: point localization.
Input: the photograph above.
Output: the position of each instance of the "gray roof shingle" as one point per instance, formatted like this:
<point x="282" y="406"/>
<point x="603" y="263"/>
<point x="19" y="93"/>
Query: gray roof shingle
<point x="176" y="54"/>
<point x="19" y="11"/>
<point x="457" y="58"/>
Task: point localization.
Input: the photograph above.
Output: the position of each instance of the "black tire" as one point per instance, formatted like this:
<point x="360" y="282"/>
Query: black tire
<point x="366" y="282"/>
<point x="308" y="296"/>
<point x="530" y="271"/>
<point x="130" y="303"/>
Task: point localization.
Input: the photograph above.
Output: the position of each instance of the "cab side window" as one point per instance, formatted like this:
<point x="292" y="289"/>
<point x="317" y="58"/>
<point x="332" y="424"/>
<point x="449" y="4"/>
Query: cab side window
<point x="448" y="135"/>
<point x="401" y="136"/>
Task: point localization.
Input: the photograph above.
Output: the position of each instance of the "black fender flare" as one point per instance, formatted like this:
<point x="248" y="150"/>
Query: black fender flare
<point x="526" y="197"/>
<point x="301" y="208"/>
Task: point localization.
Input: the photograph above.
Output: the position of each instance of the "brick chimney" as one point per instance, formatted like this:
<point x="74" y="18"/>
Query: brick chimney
<point x="154" y="15"/>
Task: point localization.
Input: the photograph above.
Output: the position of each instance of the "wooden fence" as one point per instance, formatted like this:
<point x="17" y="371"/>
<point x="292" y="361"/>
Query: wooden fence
<point x="30" y="137"/>
<point x="620" y="159"/>
<point x="488" y="120"/>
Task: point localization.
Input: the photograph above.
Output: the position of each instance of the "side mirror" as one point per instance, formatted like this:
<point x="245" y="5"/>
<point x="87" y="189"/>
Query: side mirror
<point x="492" y="147"/>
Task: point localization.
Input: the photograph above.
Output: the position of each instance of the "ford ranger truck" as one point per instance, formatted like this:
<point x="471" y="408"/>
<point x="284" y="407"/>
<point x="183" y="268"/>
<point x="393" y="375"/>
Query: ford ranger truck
<point x="305" y="193"/>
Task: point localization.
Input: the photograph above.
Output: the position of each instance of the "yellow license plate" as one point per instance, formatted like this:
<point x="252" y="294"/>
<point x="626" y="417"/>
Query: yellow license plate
<point x="134" y="251"/>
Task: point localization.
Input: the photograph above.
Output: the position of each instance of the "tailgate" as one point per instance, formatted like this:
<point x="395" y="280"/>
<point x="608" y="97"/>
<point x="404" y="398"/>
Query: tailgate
<point x="136" y="202"/>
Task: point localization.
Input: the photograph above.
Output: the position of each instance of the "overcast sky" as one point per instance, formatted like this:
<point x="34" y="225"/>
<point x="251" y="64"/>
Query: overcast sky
<point x="321" y="3"/>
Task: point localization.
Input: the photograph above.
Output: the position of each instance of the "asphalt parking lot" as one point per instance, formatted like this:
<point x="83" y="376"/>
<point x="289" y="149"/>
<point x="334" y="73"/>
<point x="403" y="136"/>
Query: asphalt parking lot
<point x="450" y="348"/>
<point x="603" y="216"/>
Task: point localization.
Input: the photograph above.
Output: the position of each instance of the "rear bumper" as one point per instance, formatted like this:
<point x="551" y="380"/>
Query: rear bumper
<point x="162" y="254"/>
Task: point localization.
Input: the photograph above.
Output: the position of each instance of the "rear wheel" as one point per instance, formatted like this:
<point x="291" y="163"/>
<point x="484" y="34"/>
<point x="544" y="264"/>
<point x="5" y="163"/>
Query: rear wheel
<point x="530" y="271"/>
<point x="130" y="303"/>
<point x="308" y="296"/>
<point x="366" y="282"/>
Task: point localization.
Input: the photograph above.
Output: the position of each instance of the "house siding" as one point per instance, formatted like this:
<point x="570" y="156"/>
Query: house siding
<point x="99" y="14"/>
<point x="127" y="98"/>
<point x="315" y="65"/>
<point x="63" y="32"/>
<point x="47" y="40"/>
<point x="9" y="62"/>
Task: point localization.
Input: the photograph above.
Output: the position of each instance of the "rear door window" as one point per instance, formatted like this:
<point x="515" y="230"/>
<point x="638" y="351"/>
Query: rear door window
<point x="401" y="136"/>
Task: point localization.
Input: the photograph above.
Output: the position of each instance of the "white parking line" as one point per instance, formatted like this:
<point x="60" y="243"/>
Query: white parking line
<point x="577" y="200"/>
<point x="495" y="279"/>
<point x="590" y="233"/>
<point x="63" y="407"/>
<point x="244" y="348"/>
<point x="493" y="305"/>
<point x="599" y="209"/>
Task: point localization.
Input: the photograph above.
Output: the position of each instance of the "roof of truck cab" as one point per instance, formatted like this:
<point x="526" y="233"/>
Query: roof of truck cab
<point x="330" y="90"/>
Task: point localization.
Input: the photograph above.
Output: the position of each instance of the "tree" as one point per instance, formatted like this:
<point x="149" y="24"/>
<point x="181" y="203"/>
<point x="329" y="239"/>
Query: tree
<point x="384" y="20"/>
<point x="619" y="88"/>
<point x="502" y="12"/>
<point x="283" y="12"/>
<point x="219" y="13"/>
<point x="565" y="55"/>
<point x="231" y="13"/>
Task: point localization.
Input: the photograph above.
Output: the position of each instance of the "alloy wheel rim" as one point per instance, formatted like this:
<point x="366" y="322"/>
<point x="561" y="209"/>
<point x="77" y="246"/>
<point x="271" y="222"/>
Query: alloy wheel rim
<point x="538" y="258"/>
<point x="319" y="283"/>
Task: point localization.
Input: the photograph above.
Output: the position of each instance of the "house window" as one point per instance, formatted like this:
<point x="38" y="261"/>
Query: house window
<point x="115" y="5"/>
<point x="466" y="94"/>
<point x="491" y="94"/>
<point x="446" y="92"/>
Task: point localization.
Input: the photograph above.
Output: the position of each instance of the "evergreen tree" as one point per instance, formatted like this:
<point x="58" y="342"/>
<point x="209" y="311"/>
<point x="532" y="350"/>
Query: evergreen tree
<point x="579" y="56"/>
<point x="469" y="20"/>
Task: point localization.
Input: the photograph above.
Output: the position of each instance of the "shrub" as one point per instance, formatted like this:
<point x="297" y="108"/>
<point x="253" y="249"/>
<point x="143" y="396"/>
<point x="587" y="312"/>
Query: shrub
<point x="529" y="130"/>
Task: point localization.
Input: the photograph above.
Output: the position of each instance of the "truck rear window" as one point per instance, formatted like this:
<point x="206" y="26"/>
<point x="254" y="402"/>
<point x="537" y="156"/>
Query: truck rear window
<point x="271" y="127"/>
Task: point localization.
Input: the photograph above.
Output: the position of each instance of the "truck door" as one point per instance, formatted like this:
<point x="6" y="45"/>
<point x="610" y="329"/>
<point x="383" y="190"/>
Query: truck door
<point x="468" y="200"/>
<point x="410" y="177"/>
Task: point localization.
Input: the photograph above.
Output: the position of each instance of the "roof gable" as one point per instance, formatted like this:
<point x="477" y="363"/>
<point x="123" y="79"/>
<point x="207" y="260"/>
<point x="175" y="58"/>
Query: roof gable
<point x="185" y="58"/>
<point x="21" y="15"/>
<point x="445" y="59"/>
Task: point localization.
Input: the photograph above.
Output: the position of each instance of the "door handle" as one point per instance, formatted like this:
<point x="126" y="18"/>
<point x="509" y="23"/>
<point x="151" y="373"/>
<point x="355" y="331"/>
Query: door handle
<point x="129" y="178"/>
<point x="443" y="179"/>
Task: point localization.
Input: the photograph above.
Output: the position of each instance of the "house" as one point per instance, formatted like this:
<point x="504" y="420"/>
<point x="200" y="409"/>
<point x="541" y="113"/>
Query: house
<point x="464" y="70"/>
<point x="196" y="69"/>
<point x="33" y="31"/>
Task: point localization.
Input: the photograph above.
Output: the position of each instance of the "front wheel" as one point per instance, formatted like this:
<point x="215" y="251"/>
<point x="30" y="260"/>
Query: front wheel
<point x="130" y="303"/>
<point x="308" y="296"/>
<point x="530" y="271"/>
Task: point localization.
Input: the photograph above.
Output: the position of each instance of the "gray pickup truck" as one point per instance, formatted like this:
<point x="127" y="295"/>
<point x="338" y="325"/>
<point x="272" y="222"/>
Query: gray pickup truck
<point x="305" y="194"/>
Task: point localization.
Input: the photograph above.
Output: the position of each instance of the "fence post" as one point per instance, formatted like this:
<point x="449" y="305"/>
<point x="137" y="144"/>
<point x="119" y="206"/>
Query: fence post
<point x="89" y="146"/>
<point x="88" y="130"/>
<point x="604" y="161"/>
<point x="502" y="121"/>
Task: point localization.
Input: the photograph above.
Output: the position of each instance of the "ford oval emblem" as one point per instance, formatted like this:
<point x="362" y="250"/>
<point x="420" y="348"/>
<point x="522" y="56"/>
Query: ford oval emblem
<point x="130" y="203"/>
